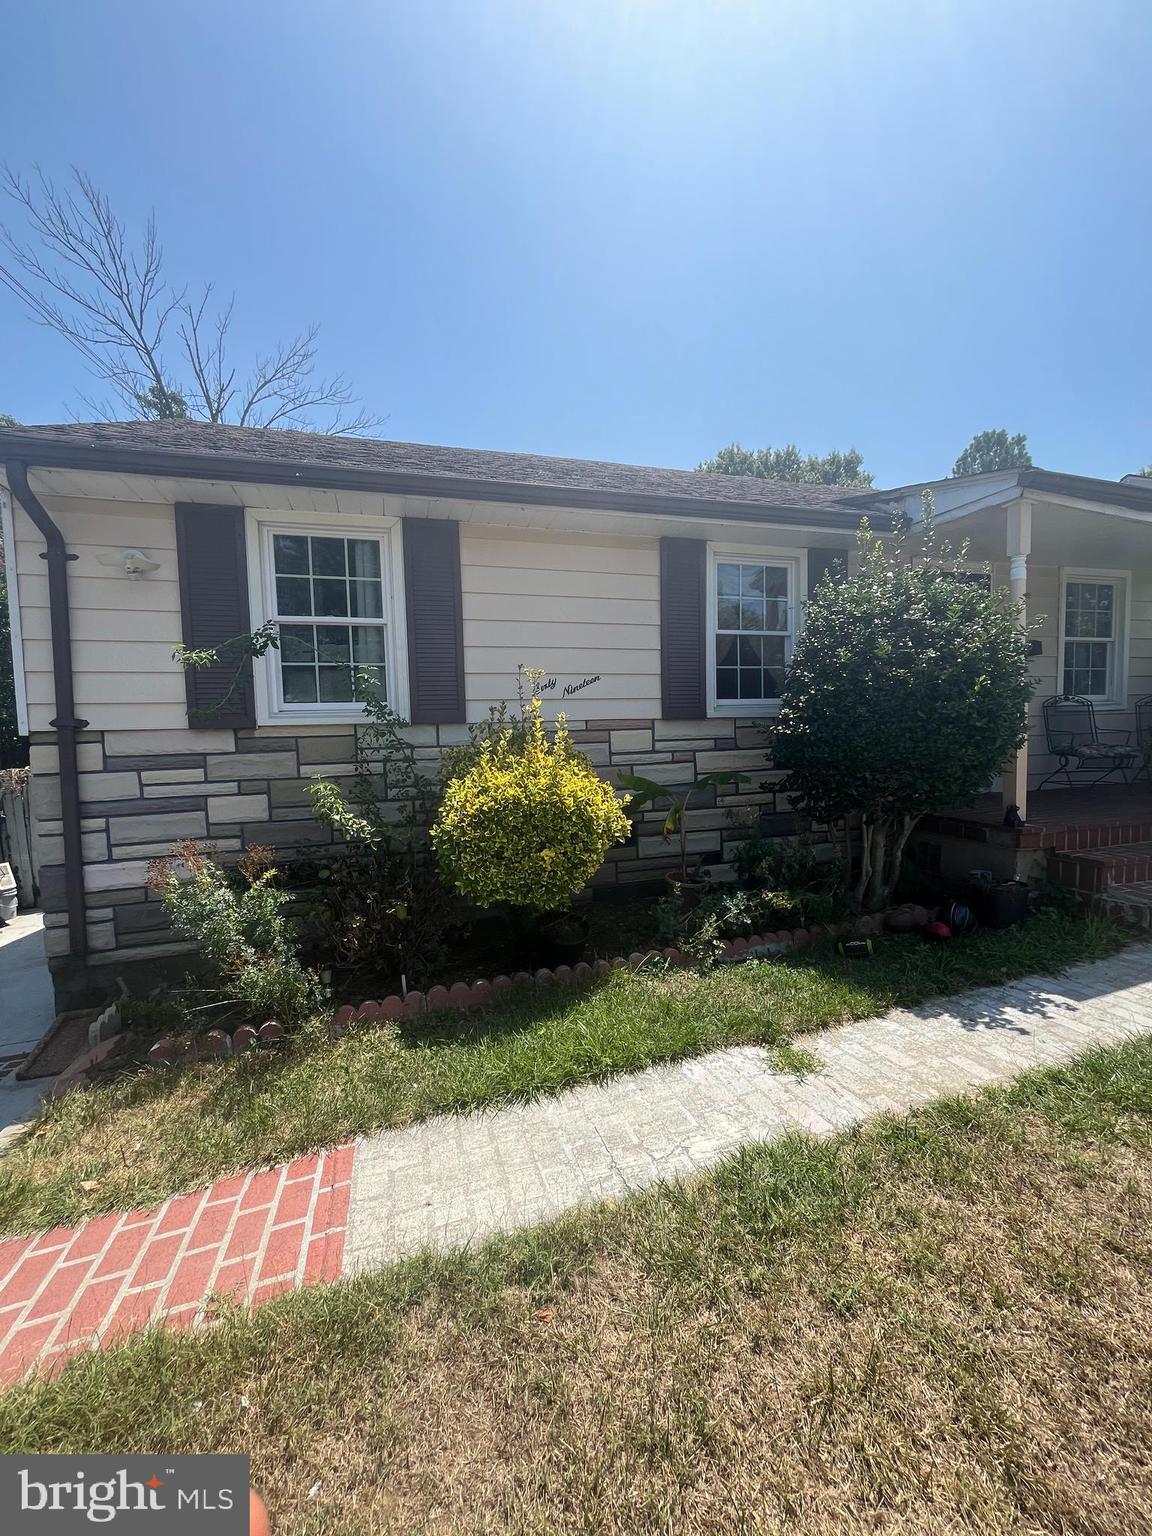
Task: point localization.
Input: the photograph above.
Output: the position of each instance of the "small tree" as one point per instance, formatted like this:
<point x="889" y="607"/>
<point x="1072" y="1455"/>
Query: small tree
<point x="647" y="792"/>
<point x="992" y="450"/>
<point x="907" y="692"/>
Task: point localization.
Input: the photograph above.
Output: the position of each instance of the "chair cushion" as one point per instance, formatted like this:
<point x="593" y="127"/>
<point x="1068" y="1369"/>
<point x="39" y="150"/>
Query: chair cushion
<point x="1100" y="749"/>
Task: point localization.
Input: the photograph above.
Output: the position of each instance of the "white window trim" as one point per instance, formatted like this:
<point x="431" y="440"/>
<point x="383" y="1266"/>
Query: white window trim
<point x="797" y="562"/>
<point x="8" y="530"/>
<point x="261" y="526"/>
<point x="1118" y="698"/>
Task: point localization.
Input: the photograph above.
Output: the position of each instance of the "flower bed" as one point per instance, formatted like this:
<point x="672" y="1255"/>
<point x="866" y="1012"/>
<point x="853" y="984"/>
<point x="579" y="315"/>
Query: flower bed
<point x="172" y="1051"/>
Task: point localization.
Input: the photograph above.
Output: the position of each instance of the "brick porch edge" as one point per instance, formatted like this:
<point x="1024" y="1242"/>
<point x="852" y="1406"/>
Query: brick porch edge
<point x="245" y="1238"/>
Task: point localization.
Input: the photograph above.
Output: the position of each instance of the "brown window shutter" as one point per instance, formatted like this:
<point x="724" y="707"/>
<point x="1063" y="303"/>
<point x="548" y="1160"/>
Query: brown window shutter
<point x="824" y="562"/>
<point x="214" y="608"/>
<point x="683" y="649"/>
<point x="435" y="616"/>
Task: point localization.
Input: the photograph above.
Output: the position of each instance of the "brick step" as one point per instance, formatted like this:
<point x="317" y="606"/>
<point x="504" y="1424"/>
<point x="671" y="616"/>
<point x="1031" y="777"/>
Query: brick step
<point x="1126" y="903"/>
<point x="1095" y="871"/>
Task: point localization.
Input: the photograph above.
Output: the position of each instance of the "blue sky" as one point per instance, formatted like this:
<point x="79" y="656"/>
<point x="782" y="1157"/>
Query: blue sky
<point x="636" y="229"/>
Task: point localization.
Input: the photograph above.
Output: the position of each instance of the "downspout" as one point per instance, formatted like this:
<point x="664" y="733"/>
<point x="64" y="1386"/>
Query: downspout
<point x="65" y="724"/>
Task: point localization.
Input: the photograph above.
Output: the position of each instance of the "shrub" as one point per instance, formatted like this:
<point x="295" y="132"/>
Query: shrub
<point x="906" y="693"/>
<point x="379" y="903"/>
<point x="788" y="880"/>
<point x="241" y="932"/>
<point x="728" y="912"/>
<point x="528" y="821"/>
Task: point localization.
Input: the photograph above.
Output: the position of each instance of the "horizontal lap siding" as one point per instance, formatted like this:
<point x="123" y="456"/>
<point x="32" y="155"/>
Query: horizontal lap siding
<point x="1140" y="649"/>
<point x="123" y="630"/>
<point x="575" y="607"/>
<point x="1047" y="669"/>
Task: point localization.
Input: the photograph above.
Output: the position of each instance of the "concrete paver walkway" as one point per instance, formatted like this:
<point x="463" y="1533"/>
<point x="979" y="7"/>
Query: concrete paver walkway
<point x="451" y="1181"/>
<point x="442" y="1183"/>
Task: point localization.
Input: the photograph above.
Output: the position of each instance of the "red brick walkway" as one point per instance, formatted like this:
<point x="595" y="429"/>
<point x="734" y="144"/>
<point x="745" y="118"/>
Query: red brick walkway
<point x="246" y="1238"/>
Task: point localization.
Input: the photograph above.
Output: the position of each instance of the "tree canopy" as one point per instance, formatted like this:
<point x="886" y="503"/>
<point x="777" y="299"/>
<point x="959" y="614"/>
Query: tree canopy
<point x="992" y="450"/>
<point x="788" y="463"/>
<point x="906" y="693"/>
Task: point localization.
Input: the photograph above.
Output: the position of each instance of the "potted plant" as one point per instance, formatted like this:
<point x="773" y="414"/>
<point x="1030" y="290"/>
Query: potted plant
<point x="685" y="884"/>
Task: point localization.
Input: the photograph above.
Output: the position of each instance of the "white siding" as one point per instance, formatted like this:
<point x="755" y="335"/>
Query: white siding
<point x="123" y="631"/>
<point x="576" y="607"/>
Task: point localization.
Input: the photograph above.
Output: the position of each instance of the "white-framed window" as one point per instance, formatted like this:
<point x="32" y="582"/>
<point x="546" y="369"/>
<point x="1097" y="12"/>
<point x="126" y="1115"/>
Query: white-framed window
<point x="332" y="586"/>
<point x="754" y="598"/>
<point x="1094" y="635"/>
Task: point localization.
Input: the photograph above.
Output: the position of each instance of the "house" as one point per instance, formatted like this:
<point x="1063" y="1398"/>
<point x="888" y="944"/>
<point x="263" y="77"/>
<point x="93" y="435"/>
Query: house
<point x="662" y="605"/>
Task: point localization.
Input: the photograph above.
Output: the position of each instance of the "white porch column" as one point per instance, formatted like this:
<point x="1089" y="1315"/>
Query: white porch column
<point x="1015" y="779"/>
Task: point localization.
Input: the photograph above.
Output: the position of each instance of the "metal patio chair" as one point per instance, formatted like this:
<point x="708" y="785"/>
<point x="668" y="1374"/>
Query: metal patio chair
<point x="1080" y="746"/>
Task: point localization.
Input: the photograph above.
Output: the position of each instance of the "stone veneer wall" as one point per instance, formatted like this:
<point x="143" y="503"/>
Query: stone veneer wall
<point x="142" y="791"/>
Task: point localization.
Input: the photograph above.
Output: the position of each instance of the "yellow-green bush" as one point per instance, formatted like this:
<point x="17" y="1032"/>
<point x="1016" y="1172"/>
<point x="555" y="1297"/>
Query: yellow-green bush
<point x="528" y="822"/>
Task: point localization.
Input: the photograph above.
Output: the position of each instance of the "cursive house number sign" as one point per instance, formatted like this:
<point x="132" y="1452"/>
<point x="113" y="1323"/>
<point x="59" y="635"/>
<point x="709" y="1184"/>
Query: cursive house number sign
<point x="586" y="682"/>
<point x="550" y="684"/>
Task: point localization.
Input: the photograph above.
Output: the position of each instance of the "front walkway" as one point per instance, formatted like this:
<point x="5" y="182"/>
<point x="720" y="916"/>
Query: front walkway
<point x="448" y="1181"/>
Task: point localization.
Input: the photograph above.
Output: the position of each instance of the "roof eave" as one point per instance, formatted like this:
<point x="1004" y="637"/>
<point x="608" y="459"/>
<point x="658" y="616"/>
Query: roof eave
<point x="892" y="493"/>
<point x="1055" y="482"/>
<point x="40" y="454"/>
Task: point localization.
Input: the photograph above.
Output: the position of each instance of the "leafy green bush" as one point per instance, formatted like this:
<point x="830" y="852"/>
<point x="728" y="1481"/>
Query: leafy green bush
<point x="729" y="912"/>
<point x="528" y="822"/>
<point x="787" y="880"/>
<point x="242" y="933"/>
<point x="379" y="904"/>
<point x="906" y="693"/>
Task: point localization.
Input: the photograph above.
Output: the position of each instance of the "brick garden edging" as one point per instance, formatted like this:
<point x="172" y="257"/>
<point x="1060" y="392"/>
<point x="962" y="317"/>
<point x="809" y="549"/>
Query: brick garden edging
<point x="171" y="1051"/>
<point x="477" y="994"/>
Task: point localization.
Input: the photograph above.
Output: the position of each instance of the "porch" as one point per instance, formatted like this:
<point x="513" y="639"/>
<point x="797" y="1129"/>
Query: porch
<point x="1095" y="842"/>
<point x="1076" y="555"/>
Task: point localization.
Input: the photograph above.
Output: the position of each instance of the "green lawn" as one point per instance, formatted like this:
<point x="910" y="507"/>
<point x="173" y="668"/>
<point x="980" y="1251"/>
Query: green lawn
<point x="143" y="1135"/>
<point x="935" y="1324"/>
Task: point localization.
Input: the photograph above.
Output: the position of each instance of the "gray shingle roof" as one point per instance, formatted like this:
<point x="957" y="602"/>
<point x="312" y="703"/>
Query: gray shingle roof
<point x="301" y="450"/>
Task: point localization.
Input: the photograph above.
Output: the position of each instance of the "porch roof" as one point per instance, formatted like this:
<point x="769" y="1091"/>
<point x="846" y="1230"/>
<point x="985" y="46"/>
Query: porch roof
<point x="1133" y="491"/>
<point x="1076" y="520"/>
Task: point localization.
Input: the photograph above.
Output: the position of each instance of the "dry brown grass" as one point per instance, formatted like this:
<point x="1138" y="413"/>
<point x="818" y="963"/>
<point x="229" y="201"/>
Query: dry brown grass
<point x="973" y="1366"/>
<point x="942" y="1326"/>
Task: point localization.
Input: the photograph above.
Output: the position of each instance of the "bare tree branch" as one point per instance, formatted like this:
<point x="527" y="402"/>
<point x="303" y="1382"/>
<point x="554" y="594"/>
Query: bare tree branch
<point x="206" y="354"/>
<point x="162" y="355"/>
